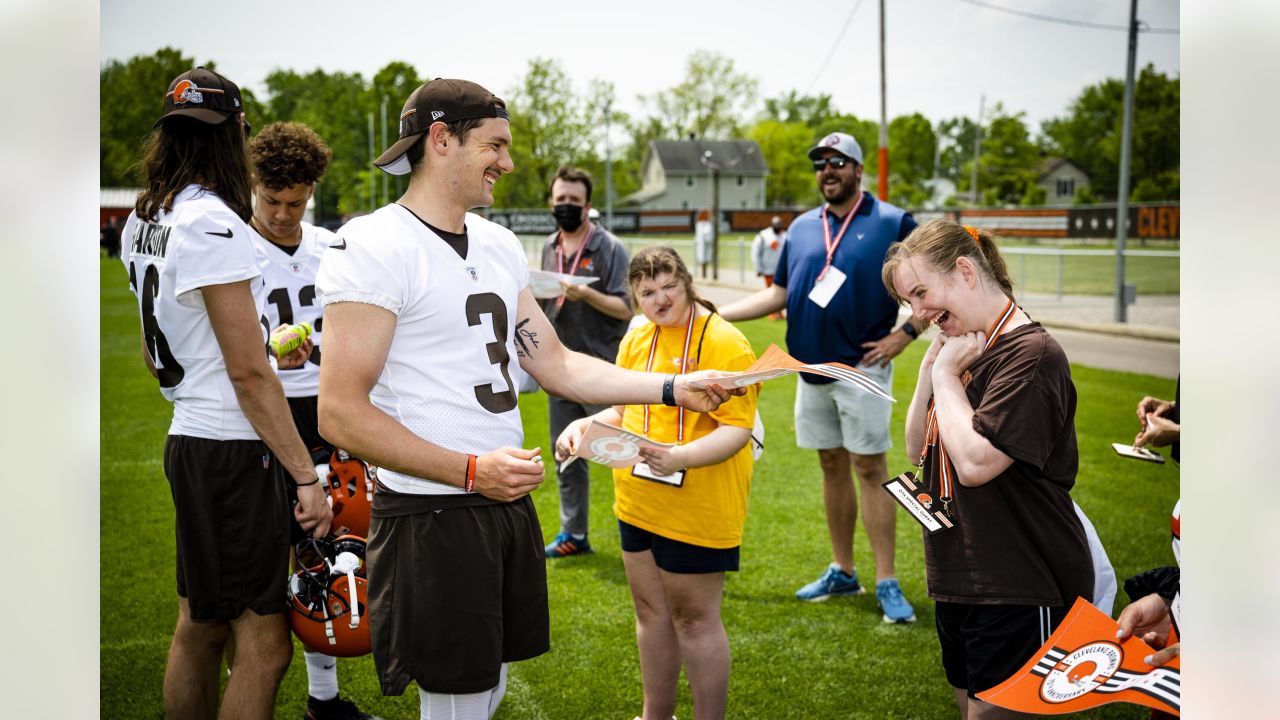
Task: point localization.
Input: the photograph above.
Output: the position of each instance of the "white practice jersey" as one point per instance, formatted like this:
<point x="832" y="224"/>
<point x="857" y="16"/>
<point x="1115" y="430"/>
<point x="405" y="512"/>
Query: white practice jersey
<point x="201" y="242"/>
<point x="448" y="373"/>
<point x="291" y="298"/>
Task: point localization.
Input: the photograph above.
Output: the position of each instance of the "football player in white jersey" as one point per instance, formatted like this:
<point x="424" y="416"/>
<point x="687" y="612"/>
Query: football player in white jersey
<point x="232" y="441"/>
<point x="288" y="159"/>
<point x="426" y="307"/>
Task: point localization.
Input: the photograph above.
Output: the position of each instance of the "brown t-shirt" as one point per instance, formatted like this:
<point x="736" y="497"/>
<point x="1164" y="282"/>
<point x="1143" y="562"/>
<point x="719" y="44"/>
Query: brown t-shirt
<point x="1017" y="539"/>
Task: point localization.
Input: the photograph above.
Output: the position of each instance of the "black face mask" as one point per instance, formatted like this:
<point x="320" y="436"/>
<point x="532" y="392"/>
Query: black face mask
<point x="568" y="216"/>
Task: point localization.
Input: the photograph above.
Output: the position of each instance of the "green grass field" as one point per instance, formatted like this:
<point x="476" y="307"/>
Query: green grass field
<point x="790" y="659"/>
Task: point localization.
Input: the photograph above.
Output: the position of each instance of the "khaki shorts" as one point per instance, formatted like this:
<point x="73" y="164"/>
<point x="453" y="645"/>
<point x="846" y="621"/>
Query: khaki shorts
<point x="838" y="415"/>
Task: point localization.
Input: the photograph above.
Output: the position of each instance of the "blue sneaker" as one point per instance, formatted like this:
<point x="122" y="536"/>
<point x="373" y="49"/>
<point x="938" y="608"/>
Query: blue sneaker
<point x="895" y="606"/>
<point x="833" y="582"/>
<point x="565" y="545"/>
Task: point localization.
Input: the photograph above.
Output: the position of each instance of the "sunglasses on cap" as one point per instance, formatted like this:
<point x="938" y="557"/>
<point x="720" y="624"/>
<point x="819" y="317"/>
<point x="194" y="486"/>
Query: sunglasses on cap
<point x="835" y="161"/>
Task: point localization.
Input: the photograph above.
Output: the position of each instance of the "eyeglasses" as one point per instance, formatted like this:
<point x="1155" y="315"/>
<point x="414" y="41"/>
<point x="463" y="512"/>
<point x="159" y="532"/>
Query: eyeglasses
<point x="835" y="161"/>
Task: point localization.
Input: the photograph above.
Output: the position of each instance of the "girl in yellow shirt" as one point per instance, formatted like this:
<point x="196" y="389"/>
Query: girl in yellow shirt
<point x="680" y="512"/>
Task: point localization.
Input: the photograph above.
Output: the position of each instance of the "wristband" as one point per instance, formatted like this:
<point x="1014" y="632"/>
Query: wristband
<point x="470" y="482"/>
<point x="910" y="329"/>
<point x="313" y="482"/>
<point x="669" y="390"/>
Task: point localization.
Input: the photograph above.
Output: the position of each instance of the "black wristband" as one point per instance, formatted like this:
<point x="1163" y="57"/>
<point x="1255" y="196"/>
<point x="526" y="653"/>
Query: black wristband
<point x="313" y="482"/>
<point x="910" y="329"/>
<point x="669" y="390"/>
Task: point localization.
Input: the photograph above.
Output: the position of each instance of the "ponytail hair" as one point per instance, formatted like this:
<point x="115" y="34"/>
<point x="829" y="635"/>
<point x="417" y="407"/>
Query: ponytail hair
<point x="940" y="243"/>
<point x="655" y="260"/>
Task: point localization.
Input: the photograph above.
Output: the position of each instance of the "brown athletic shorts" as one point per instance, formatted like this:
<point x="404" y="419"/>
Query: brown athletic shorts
<point x="457" y="586"/>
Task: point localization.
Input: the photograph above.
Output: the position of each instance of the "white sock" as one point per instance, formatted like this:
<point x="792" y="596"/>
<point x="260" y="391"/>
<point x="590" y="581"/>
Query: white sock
<point x="496" y="694"/>
<point x="471" y="706"/>
<point x="577" y="536"/>
<point x="322" y="675"/>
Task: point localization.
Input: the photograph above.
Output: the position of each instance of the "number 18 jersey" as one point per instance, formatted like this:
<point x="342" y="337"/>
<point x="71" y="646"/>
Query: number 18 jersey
<point x="448" y="373"/>
<point x="200" y="242"/>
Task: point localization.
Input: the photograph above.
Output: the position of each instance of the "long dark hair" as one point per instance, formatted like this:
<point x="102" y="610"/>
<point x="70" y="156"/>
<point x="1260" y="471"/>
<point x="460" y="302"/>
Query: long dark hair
<point x="183" y="151"/>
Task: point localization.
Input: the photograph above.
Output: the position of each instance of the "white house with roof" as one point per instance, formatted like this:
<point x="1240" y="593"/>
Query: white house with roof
<point x="678" y="175"/>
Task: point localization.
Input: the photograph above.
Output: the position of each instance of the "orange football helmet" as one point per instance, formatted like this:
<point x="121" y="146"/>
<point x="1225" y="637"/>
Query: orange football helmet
<point x="350" y="483"/>
<point x="327" y="597"/>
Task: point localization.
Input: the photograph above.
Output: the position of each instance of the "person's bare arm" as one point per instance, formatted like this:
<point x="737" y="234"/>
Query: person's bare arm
<point x="357" y="338"/>
<point x="584" y="379"/>
<point x="758" y="304"/>
<point x="235" y="325"/>
<point x="714" y="447"/>
<point x="611" y="305"/>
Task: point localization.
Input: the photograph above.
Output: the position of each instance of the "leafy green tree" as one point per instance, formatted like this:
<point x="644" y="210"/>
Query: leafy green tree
<point x="792" y="107"/>
<point x="1084" y="196"/>
<point x="912" y="142"/>
<point x="1091" y="131"/>
<point x="783" y="146"/>
<point x="956" y="137"/>
<point x="709" y="101"/>
<point x="1033" y="196"/>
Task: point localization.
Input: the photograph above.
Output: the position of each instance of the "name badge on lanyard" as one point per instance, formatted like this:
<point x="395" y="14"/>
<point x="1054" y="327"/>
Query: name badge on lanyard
<point x="831" y="278"/>
<point x="918" y="500"/>
<point x="642" y="470"/>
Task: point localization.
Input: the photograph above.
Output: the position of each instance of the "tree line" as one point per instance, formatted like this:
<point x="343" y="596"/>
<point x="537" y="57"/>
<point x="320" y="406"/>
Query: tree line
<point x="554" y="121"/>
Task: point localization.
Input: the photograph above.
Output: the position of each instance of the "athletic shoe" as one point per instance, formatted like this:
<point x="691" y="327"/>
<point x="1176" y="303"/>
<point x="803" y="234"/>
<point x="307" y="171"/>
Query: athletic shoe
<point x="895" y="606"/>
<point x="565" y="545"/>
<point x="833" y="582"/>
<point x="335" y="709"/>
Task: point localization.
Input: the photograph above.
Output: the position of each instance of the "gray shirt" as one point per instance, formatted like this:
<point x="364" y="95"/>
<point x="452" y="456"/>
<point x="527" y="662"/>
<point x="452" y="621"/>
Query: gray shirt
<point x="581" y="327"/>
<point x="764" y="254"/>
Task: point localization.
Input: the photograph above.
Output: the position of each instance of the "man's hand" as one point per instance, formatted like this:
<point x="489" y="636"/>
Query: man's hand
<point x="703" y="399"/>
<point x="959" y="352"/>
<point x="880" y="352"/>
<point x="1158" y="431"/>
<point x="312" y="511"/>
<point x="298" y="357"/>
<point x="508" y="473"/>
<point x="567" y="443"/>
<point x="1149" y="618"/>
<point x="575" y="292"/>
<point x="1149" y="405"/>
<point x="665" y="461"/>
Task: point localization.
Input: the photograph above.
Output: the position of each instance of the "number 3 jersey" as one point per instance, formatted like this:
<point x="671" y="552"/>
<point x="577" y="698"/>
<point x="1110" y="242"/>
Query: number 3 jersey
<point x="291" y="298"/>
<point x="448" y="374"/>
<point x="200" y="242"/>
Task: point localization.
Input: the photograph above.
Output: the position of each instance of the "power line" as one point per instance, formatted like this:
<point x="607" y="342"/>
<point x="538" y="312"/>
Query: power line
<point x="834" y="45"/>
<point x="1068" y="21"/>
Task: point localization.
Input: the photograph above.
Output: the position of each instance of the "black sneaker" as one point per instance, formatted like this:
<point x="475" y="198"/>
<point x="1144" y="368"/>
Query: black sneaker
<point x="335" y="709"/>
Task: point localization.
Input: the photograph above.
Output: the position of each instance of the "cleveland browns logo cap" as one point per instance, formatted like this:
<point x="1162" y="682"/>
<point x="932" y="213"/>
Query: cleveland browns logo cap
<point x="439" y="100"/>
<point x="203" y="95"/>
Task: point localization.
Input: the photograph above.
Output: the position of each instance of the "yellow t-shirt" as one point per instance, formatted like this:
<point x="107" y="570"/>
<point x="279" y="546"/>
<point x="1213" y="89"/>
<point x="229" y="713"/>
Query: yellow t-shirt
<point x="711" y="507"/>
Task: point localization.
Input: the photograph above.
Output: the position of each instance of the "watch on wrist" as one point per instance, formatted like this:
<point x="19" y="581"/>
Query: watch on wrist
<point x="669" y="391"/>
<point x="910" y="329"/>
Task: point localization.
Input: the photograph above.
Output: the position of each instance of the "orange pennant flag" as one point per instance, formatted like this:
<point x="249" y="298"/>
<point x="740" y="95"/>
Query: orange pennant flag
<point x="1083" y="666"/>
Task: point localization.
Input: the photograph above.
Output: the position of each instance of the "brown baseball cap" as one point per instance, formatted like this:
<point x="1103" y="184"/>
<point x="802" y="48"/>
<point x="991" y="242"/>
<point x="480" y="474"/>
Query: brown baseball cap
<point x="203" y="95"/>
<point x="438" y="100"/>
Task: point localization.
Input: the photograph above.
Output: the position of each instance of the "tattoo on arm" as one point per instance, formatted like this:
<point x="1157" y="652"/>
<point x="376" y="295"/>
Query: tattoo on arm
<point x="523" y="348"/>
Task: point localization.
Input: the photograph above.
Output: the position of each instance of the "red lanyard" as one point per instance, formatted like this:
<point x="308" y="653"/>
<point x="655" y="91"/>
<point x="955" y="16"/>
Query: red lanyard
<point x="684" y="364"/>
<point x="931" y="432"/>
<point x="573" y="267"/>
<point x="826" y="232"/>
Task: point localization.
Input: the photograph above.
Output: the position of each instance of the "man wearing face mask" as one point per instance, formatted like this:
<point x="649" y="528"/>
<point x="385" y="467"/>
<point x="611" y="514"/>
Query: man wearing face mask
<point x="590" y="319"/>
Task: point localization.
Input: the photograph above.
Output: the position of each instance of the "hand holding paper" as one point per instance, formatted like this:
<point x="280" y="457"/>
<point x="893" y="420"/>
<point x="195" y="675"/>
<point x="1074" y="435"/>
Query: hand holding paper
<point x="545" y="284"/>
<point x="609" y="445"/>
<point x="775" y="363"/>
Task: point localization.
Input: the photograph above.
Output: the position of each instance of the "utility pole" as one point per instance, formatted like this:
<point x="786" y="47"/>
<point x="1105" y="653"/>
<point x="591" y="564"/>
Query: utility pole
<point x="977" y="145"/>
<point x="385" y="198"/>
<point x="884" y="120"/>
<point x="608" y="166"/>
<point x="1122" y="191"/>
<point x="373" y="198"/>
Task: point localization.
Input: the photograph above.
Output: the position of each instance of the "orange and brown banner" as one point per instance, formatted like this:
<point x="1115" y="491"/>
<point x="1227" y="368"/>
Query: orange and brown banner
<point x="1083" y="665"/>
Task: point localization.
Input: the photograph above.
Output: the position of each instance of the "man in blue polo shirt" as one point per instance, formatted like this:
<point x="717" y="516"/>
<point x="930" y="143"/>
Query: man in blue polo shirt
<point x="828" y="279"/>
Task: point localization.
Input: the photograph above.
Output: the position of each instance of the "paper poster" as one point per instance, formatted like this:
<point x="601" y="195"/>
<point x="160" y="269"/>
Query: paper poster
<point x="776" y="363"/>
<point x="1083" y="666"/>
<point x="612" y="446"/>
<point x="545" y="284"/>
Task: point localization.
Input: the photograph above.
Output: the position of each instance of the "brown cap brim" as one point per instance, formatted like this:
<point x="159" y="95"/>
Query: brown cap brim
<point x="393" y="160"/>
<point x="213" y="117"/>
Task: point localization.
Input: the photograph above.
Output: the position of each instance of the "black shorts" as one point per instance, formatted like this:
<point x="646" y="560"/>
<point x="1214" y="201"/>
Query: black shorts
<point x="306" y="417"/>
<point x="984" y="645"/>
<point x="455" y="592"/>
<point x="232" y="526"/>
<point x="675" y="556"/>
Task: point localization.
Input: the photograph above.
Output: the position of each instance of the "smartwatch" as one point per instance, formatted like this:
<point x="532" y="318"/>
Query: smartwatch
<point x="910" y="329"/>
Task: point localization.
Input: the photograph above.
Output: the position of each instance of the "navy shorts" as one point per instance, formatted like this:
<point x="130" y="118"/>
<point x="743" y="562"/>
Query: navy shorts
<point x="675" y="556"/>
<point x="984" y="645"/>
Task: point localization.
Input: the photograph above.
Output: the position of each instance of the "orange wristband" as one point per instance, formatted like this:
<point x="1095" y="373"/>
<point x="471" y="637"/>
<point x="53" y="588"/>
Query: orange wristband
<point x="471" y="473"/>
